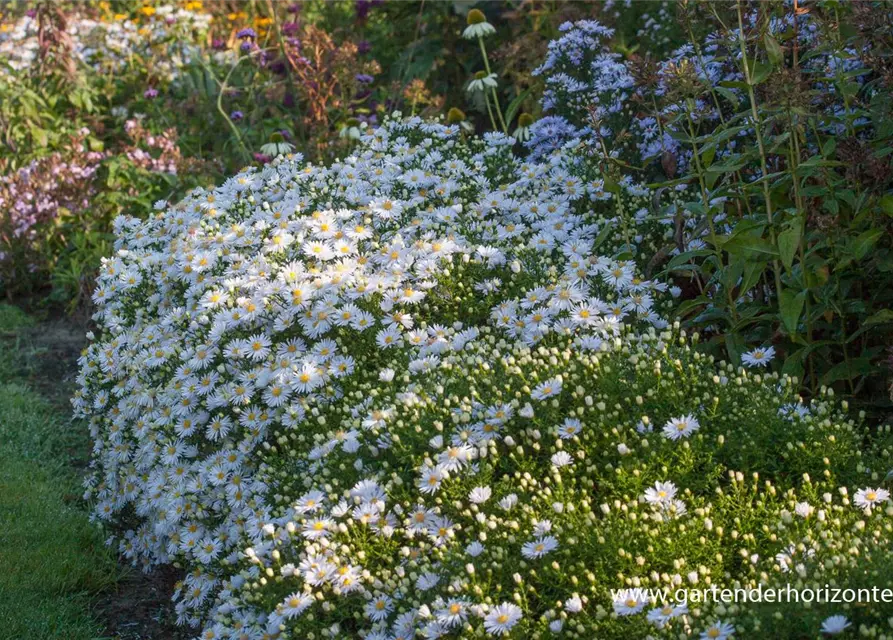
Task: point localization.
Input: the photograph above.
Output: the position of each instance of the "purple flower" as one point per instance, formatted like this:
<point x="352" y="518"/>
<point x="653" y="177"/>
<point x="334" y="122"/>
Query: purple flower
<point x="364" y="78"/>
<point x="262" y="158"/>
<point x="294" y="8"/>
<point x="247" y="46"/>
<point x="150" y="93"/>
<point x="290" y="28"/>
<point x="363" y="46"/>
<point x="362" y="8"/>
<point x="218" y="44"/>
<point x="235" y="116"/>
<point x="247" y="32"/>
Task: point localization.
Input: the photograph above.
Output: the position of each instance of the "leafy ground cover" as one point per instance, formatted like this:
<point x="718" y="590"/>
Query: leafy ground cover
<point x="58" y="579"/>
<point x="52" y="560"/>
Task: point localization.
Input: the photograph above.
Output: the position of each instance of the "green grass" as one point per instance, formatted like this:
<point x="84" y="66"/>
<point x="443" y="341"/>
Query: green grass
<point x="52" y="560"/>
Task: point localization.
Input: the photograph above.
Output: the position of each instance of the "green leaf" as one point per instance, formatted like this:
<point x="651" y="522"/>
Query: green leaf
<point x="759" y="72"/>
<point x="773" y="50"/>
<point x="602" y="236"/>
<point x="735" y="347"/>
<point x="881" y="317"/>
<point x="686" y="256"/>
<point x="793" y="364"/>
<point x="848" y="370"/>
<point x="733" y="84"/>
<point x="752" y="246"/>
<point x="886" y="203"/>
<point x="611" y="186"/>
<point x="728" y="95"/>
<point x="690" y="305"/>
<point x="515" y="105"/>
<point x="791" y="306"/>
<point x="41" y="138"/>
<point x="863" y="244"/>
<point x="731" y="164"/>
<point x="788" y="242"/>
<point x="752" y="273"/>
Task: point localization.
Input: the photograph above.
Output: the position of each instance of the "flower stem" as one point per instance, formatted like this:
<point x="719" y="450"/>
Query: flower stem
<point x="495" y="96"/>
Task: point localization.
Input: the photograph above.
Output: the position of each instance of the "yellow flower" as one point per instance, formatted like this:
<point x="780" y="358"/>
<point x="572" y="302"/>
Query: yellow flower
<point x="120" y="16"/>
<point x="195" y="5"/>
<point x="148" y="11"/>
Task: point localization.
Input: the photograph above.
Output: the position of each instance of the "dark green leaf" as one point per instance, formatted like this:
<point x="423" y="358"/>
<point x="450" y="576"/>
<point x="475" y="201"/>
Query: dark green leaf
<point x="863" y="244"/>
<point x="791" y="306"/>
<point x="788" y="242"/>
<point x="773" y="50"/>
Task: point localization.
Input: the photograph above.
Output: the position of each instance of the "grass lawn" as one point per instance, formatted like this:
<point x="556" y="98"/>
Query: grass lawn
<point x="52" y="560"/>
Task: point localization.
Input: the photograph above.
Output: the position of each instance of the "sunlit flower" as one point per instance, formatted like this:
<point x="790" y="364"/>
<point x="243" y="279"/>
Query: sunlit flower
<point x="478" y="27"/>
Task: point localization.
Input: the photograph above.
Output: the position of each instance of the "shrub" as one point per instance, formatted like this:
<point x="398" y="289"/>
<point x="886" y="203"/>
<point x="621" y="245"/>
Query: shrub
<point x="768" y="144"/>
<point x="404" y="393"/>
<point x="35" y="197"/>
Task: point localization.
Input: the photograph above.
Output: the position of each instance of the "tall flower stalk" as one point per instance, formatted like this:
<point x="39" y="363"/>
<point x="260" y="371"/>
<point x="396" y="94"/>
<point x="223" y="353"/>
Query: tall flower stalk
<point x="477" y="29"/>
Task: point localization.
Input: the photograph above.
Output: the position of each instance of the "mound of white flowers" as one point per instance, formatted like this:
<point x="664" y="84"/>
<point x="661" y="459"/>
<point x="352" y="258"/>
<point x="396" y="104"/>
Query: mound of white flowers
<point x="412" y="395"/>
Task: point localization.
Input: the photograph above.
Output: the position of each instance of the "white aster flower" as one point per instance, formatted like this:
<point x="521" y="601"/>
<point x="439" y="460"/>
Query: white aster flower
<point x="832" y="625"/>
<point x="868" y="497"/>
<point x="758" y="357"/>
<point x="683" y="427"/>
<point x="501" y="618"/>
<point x="719" y="630"/>
<point x="629" y="602"/>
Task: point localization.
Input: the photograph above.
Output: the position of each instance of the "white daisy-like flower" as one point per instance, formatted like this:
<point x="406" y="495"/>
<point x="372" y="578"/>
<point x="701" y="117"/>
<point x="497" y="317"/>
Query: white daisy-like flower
<point x="479" y="495"/>
<point x="539" y="547"/>
<point x="522" y="133"/>
<point x="379" y="608"/>
<point x="277" y="146"/>
<point x="868" y="497"/>
<point x="660" y="616"/>
<point x="719" y="630"/>
<point x="547" y="389"/>
<point x="482" y="81"/>
<point x="660" y="493"/>
<point x="832" y="625"/>
<point x="501" y="618"/>
<point x="758" y="357"/>
<point x="803" y="509"/>
<point x="295" y="604"/>
<point x="574" y="604"/>
<point x="629" y="602"/>
<point x="478" y="27"/>
<point x="561" y="459"/>
<point x="683" y="427"/>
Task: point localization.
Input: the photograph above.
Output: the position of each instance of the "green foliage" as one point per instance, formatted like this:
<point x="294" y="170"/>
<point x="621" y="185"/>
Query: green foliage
<point x="51" y="558"/>
<point x="808" y="262"/>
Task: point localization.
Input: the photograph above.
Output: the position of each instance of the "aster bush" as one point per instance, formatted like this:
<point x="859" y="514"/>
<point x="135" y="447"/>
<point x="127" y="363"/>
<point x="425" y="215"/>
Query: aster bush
<point x="428" y="391"/>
